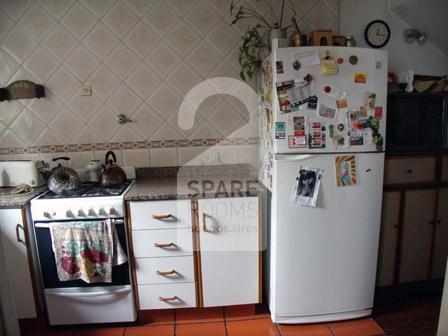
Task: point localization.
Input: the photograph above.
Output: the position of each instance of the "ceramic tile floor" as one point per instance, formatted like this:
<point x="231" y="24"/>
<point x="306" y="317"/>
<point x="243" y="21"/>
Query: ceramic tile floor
<point x="230" y="321"/>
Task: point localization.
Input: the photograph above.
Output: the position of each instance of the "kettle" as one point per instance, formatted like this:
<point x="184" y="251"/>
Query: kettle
<point x="111" y="174"/>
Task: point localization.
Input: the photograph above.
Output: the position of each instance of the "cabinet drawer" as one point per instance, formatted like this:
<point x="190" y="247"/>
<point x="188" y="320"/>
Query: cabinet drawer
<point x="144" y="243"/>
<point x="178" y="215"/>
<point x="147" y="270"/>
<point x="444" y="175"/>
<point x="409" y="170"/>
<point x="184" y="295"/>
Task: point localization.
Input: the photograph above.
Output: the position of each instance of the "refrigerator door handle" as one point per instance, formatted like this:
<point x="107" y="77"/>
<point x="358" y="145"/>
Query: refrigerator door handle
<point x="294" y="157"/>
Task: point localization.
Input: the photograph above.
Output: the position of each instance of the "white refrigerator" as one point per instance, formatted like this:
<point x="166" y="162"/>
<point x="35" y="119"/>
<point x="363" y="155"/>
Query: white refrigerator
<point x="322" y="110"/>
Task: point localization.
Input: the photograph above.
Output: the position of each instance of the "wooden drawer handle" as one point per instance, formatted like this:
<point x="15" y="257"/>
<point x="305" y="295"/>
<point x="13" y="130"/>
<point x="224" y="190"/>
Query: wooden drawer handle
<point x="166" y="273"/>
<point x="162" y="216"/>
<point x="166" y="299"/>
<point x="20" y="240"/>
<point x="164" y="245"/>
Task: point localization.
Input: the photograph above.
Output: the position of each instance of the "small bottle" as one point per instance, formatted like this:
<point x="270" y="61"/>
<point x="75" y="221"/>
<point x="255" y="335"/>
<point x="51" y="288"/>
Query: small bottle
<point x="350" y="41"/>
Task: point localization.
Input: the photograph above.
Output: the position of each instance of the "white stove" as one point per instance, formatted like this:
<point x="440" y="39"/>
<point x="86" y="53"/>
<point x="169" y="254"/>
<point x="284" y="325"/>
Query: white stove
<point x="78" y="302"/>
<point x="90" y="202"/>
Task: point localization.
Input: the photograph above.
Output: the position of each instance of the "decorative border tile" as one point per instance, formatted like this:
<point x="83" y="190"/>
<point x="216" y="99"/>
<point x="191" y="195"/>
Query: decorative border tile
<point x="129" y="145"/>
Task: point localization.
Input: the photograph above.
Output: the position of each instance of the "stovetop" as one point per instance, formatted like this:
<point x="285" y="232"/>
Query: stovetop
<point x="90" y="190"/>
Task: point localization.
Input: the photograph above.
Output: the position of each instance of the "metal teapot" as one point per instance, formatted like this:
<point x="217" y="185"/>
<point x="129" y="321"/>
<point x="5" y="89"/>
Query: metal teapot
<point x="111" y="173"/>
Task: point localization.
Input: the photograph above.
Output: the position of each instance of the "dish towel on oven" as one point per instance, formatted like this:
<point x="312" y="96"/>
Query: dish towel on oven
<point x="86" y="250"/>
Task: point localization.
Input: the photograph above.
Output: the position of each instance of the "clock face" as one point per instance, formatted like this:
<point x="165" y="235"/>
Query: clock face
<point x="377" y="34"/>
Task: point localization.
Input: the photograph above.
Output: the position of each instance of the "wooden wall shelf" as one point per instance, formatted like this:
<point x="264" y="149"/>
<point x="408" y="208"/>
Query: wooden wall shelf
<point x="22" y="89"/>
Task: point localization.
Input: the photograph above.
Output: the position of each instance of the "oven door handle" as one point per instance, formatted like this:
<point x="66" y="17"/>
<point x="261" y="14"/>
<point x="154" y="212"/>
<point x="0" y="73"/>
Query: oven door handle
<point x="91" y="294"/>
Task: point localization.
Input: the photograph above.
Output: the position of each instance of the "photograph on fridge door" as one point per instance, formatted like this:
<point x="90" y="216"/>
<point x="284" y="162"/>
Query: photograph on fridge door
<point x="306" y="187"/>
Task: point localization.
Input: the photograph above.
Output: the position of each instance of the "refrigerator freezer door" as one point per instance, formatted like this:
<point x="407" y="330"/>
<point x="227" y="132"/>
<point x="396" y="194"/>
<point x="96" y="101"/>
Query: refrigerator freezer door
<point x="371" y="64"/>
<point x="323" y="259"/>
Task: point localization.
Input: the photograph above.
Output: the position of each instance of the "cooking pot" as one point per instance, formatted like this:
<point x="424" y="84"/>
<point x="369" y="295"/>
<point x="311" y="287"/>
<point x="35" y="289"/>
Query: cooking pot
<point x="63" y="180"/>
<point x="111" y="173"/>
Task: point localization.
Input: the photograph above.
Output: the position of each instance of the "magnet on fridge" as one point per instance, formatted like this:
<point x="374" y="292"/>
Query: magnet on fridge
<point x="369" y="100"/>
<point x="342" y="103"/>
<point x="341" y="127"/>
<point x="331" y="129"/>
<point x="312" y="102"/>
<point x="378" y="112"/>
<point x="345" y="170"/>
<point x="280" y="130"/>
<point x="353" y="60"/>
<point x="326" y="111"/>
<point x="299" y="125"/>
<point x="340" y="60"/>
<point x="279" y="67"/>
<point x="296" y="141"/>
<point x="360" y="78"/>
<point x="328" y="65"/>
<point x="296" y="65"/>
<point x="327" y="89"/>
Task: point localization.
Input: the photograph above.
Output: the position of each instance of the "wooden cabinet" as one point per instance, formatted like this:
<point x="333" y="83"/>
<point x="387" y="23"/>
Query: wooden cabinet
<point x="17" y="260"/>
<point x="414" y="228"/>
<point x="229" y="250"/>
<point x="416" y="236"/>
<point x="388" y="239"/>
<point x="199" y="253"/>
<point x="440" y="252"/>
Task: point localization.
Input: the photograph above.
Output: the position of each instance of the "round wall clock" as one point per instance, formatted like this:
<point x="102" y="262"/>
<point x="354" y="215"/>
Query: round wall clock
<point x="377" y="34"/>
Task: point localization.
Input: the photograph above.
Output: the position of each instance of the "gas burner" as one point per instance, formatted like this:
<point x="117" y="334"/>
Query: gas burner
<point x="90" y="190"/>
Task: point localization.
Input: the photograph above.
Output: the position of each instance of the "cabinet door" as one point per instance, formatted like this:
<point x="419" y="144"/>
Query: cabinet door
<point x="229" y="249"/>
<point x="441" y="237"/>
<point x="14" y="242"/>
<point x="388" y="238"/>
<point x="417" y="232"/>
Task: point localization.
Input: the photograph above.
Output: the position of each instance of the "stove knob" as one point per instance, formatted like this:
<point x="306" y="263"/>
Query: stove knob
<point x="113" y="212"/>
<point x="81" y="213"/>
<point x="46" y="214"/>
<point x="91" y="212"/>
<point x="70" y="214"/>
<point x="103" y="212"/>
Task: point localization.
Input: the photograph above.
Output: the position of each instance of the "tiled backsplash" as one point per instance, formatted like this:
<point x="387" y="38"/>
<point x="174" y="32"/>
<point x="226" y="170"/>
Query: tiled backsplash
<point x="140" y="57"/>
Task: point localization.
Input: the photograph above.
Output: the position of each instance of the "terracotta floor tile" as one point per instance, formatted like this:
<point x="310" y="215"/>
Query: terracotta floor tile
<point x="258" y="327"/>
<point x="155" y="317"/>
<point x="100" y="332"/>
<point x="51" y="333"/>
<point x="197" y="315"/>
<point x="241" y="312"/>
<point x="159" y="330"/>
<point x="201" y="329"/>
<point x="363" y="327"/>
<point x="304" y="330"/>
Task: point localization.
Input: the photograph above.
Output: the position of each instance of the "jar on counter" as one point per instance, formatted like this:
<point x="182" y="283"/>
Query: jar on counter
<point x="350" y="41"/>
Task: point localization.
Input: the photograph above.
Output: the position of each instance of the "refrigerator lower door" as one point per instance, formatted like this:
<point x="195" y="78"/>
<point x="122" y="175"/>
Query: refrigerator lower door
<point x="323" y="259"/>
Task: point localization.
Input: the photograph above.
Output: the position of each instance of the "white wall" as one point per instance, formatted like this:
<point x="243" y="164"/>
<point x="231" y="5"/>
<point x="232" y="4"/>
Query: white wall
<point x="423" y="59"/>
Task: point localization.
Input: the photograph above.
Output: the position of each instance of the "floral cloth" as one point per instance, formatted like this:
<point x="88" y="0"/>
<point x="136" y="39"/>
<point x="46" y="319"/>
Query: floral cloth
<point x="86" y="250"/>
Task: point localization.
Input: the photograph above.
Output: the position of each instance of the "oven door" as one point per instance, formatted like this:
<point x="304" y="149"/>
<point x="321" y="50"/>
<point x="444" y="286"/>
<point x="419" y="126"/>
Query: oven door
<point x="120" y="273"/>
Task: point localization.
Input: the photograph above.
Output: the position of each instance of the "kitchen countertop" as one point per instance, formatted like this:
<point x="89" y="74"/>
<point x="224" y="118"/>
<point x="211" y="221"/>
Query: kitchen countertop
<point x="196" y="181"/>
<point x="19" y="200"/>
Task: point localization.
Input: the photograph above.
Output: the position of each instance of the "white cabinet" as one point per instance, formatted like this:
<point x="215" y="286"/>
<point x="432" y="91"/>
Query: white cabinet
<point x="15" y="253"/>
<point x="162" y="249"/>
<point x="229" y="239"/>
<point x="206" y="257"/>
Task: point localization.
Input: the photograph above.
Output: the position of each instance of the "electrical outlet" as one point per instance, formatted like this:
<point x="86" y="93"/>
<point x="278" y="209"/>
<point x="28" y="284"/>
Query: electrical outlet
<point x="210" y="158"/>
<point x="86" y="90"/>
